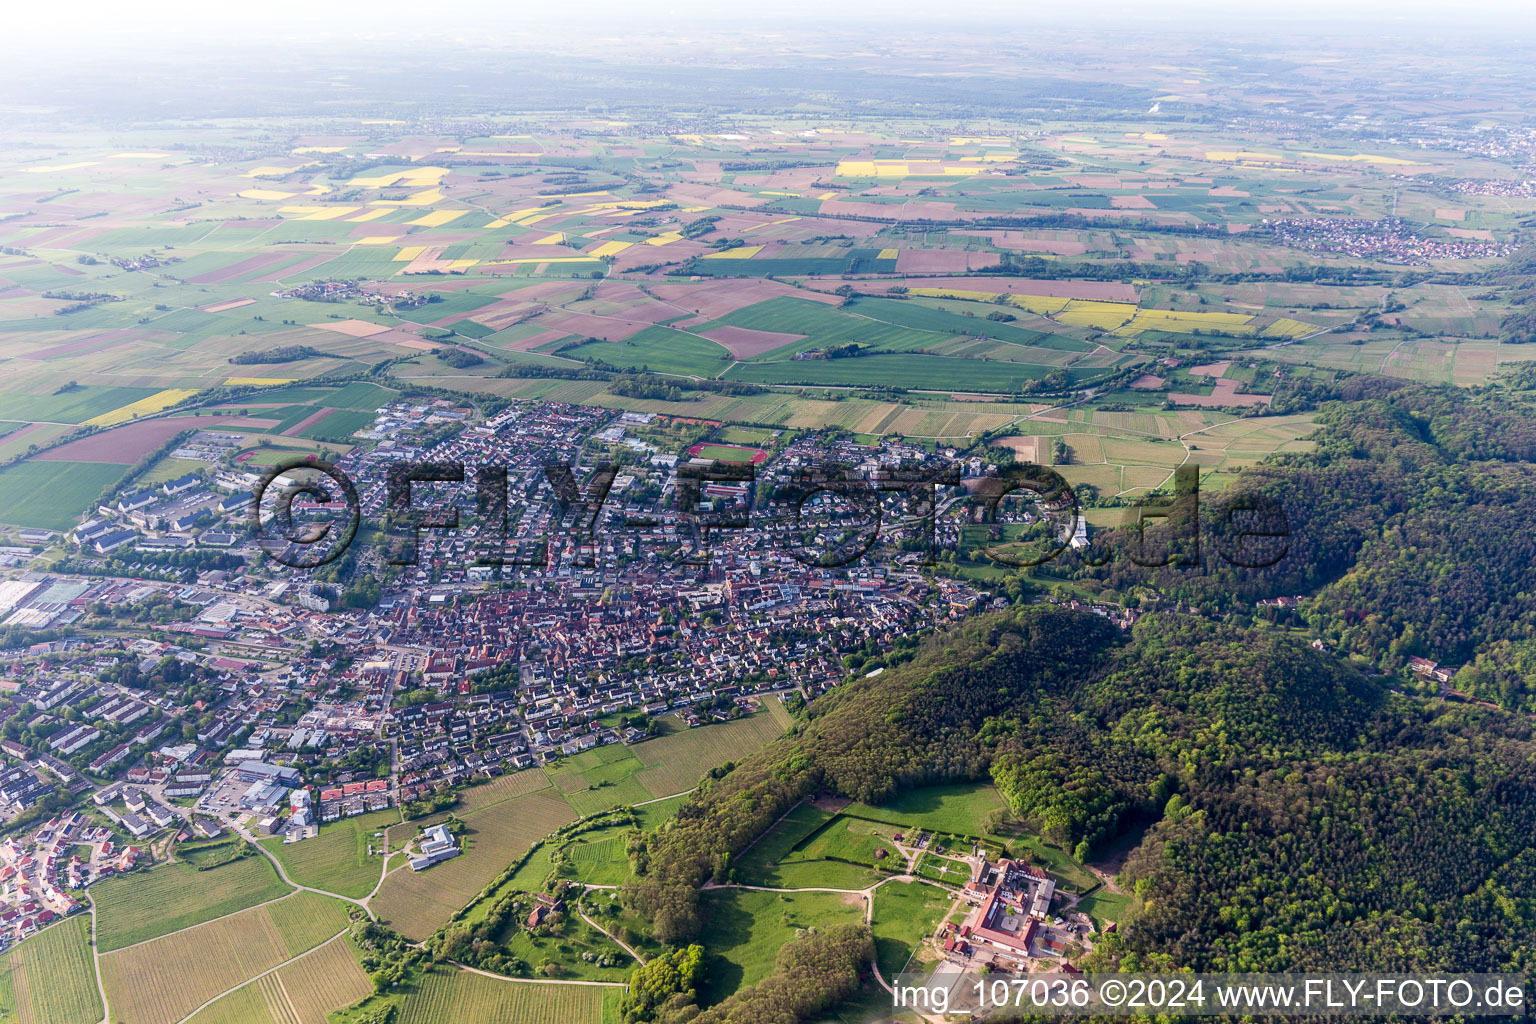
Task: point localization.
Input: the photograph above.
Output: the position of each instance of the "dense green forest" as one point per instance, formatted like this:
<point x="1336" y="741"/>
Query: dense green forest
<point x="1412" y="532"/>
<point x="1297" y="813"/>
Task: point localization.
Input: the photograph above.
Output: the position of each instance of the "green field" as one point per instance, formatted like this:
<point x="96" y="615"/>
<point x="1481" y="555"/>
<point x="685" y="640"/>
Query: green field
<point x="601" y="858"/>
<point x="905" y="913"/>
<point x="52" y="495"/>
<point x="169" y="897"/>
<point x="942" y="869"/>
<point x="961" y="809"/>
<point x="51" y="978"/>
<point x="337" y="859"/>
<point x="660" y="349"/>
<point x="744" y="931"/>
<point x="725" y="453"/>
<point x="75" y="405"/>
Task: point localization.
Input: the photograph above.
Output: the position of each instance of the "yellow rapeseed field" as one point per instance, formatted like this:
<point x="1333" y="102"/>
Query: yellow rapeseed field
<point x="741" y="252"/>
<point x="143" y="407"/>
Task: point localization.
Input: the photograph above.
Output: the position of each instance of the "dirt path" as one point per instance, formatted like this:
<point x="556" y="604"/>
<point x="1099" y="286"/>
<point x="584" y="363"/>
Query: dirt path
<point x="535" y="981"/>
<point x="106" y="1005"/>
<point x="626" y="946"/>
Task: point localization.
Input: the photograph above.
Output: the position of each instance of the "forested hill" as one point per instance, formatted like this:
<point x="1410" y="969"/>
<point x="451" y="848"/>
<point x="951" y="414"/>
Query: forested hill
<point x="1302" y="815"/>
<point x="1412" y="532"/>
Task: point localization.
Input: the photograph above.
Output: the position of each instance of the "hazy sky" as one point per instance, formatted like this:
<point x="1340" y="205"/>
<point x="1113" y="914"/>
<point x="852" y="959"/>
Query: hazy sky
<point x="31" y="22"/>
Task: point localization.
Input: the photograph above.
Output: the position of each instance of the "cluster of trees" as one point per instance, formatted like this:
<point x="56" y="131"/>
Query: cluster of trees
<point x="458" y="358"/>
<point x="479" y="945"/>
<point x="280" y="354"/>
<point x="388" y="957"/>
<point x="664" y="989"/>
<point x="1410" y="490"/>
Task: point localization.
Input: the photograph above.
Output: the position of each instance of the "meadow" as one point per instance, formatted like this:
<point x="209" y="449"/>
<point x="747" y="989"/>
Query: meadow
<point x="905" y="913"/>
<point x="336" y="859"/>
<point x="959" y="809"/>
<point x="744" y="931"/>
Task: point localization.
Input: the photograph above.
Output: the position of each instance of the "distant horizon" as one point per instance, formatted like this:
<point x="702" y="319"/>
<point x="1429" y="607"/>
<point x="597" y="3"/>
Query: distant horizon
<point x="36" y="31"/>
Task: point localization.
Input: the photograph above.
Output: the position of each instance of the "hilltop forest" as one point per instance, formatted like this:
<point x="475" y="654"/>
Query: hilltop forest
<point x="1297" y="813"/>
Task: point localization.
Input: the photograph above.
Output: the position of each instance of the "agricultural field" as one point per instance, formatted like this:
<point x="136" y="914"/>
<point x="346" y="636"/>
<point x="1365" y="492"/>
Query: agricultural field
<point x="446" y="994"/>
<point x="165" y="979"/>
<point x="416" y="903"/>
<point x="173" y="896"/>
<point x="674" y="763"/>
<point x="51" y="978"/>
<point x="337" y="859"/>
<point x="52" y="495"/>
<point x="305" y="990"/>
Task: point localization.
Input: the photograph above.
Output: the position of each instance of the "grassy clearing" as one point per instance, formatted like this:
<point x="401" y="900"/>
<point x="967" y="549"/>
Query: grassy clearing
<point x="905" y="914"/>
<point x="961" y="809"/>
<point x="170" y="897"/>
<point x="337" y="859"/>
<point x="744" y="931"/>
<point x="1104" y="907"/>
